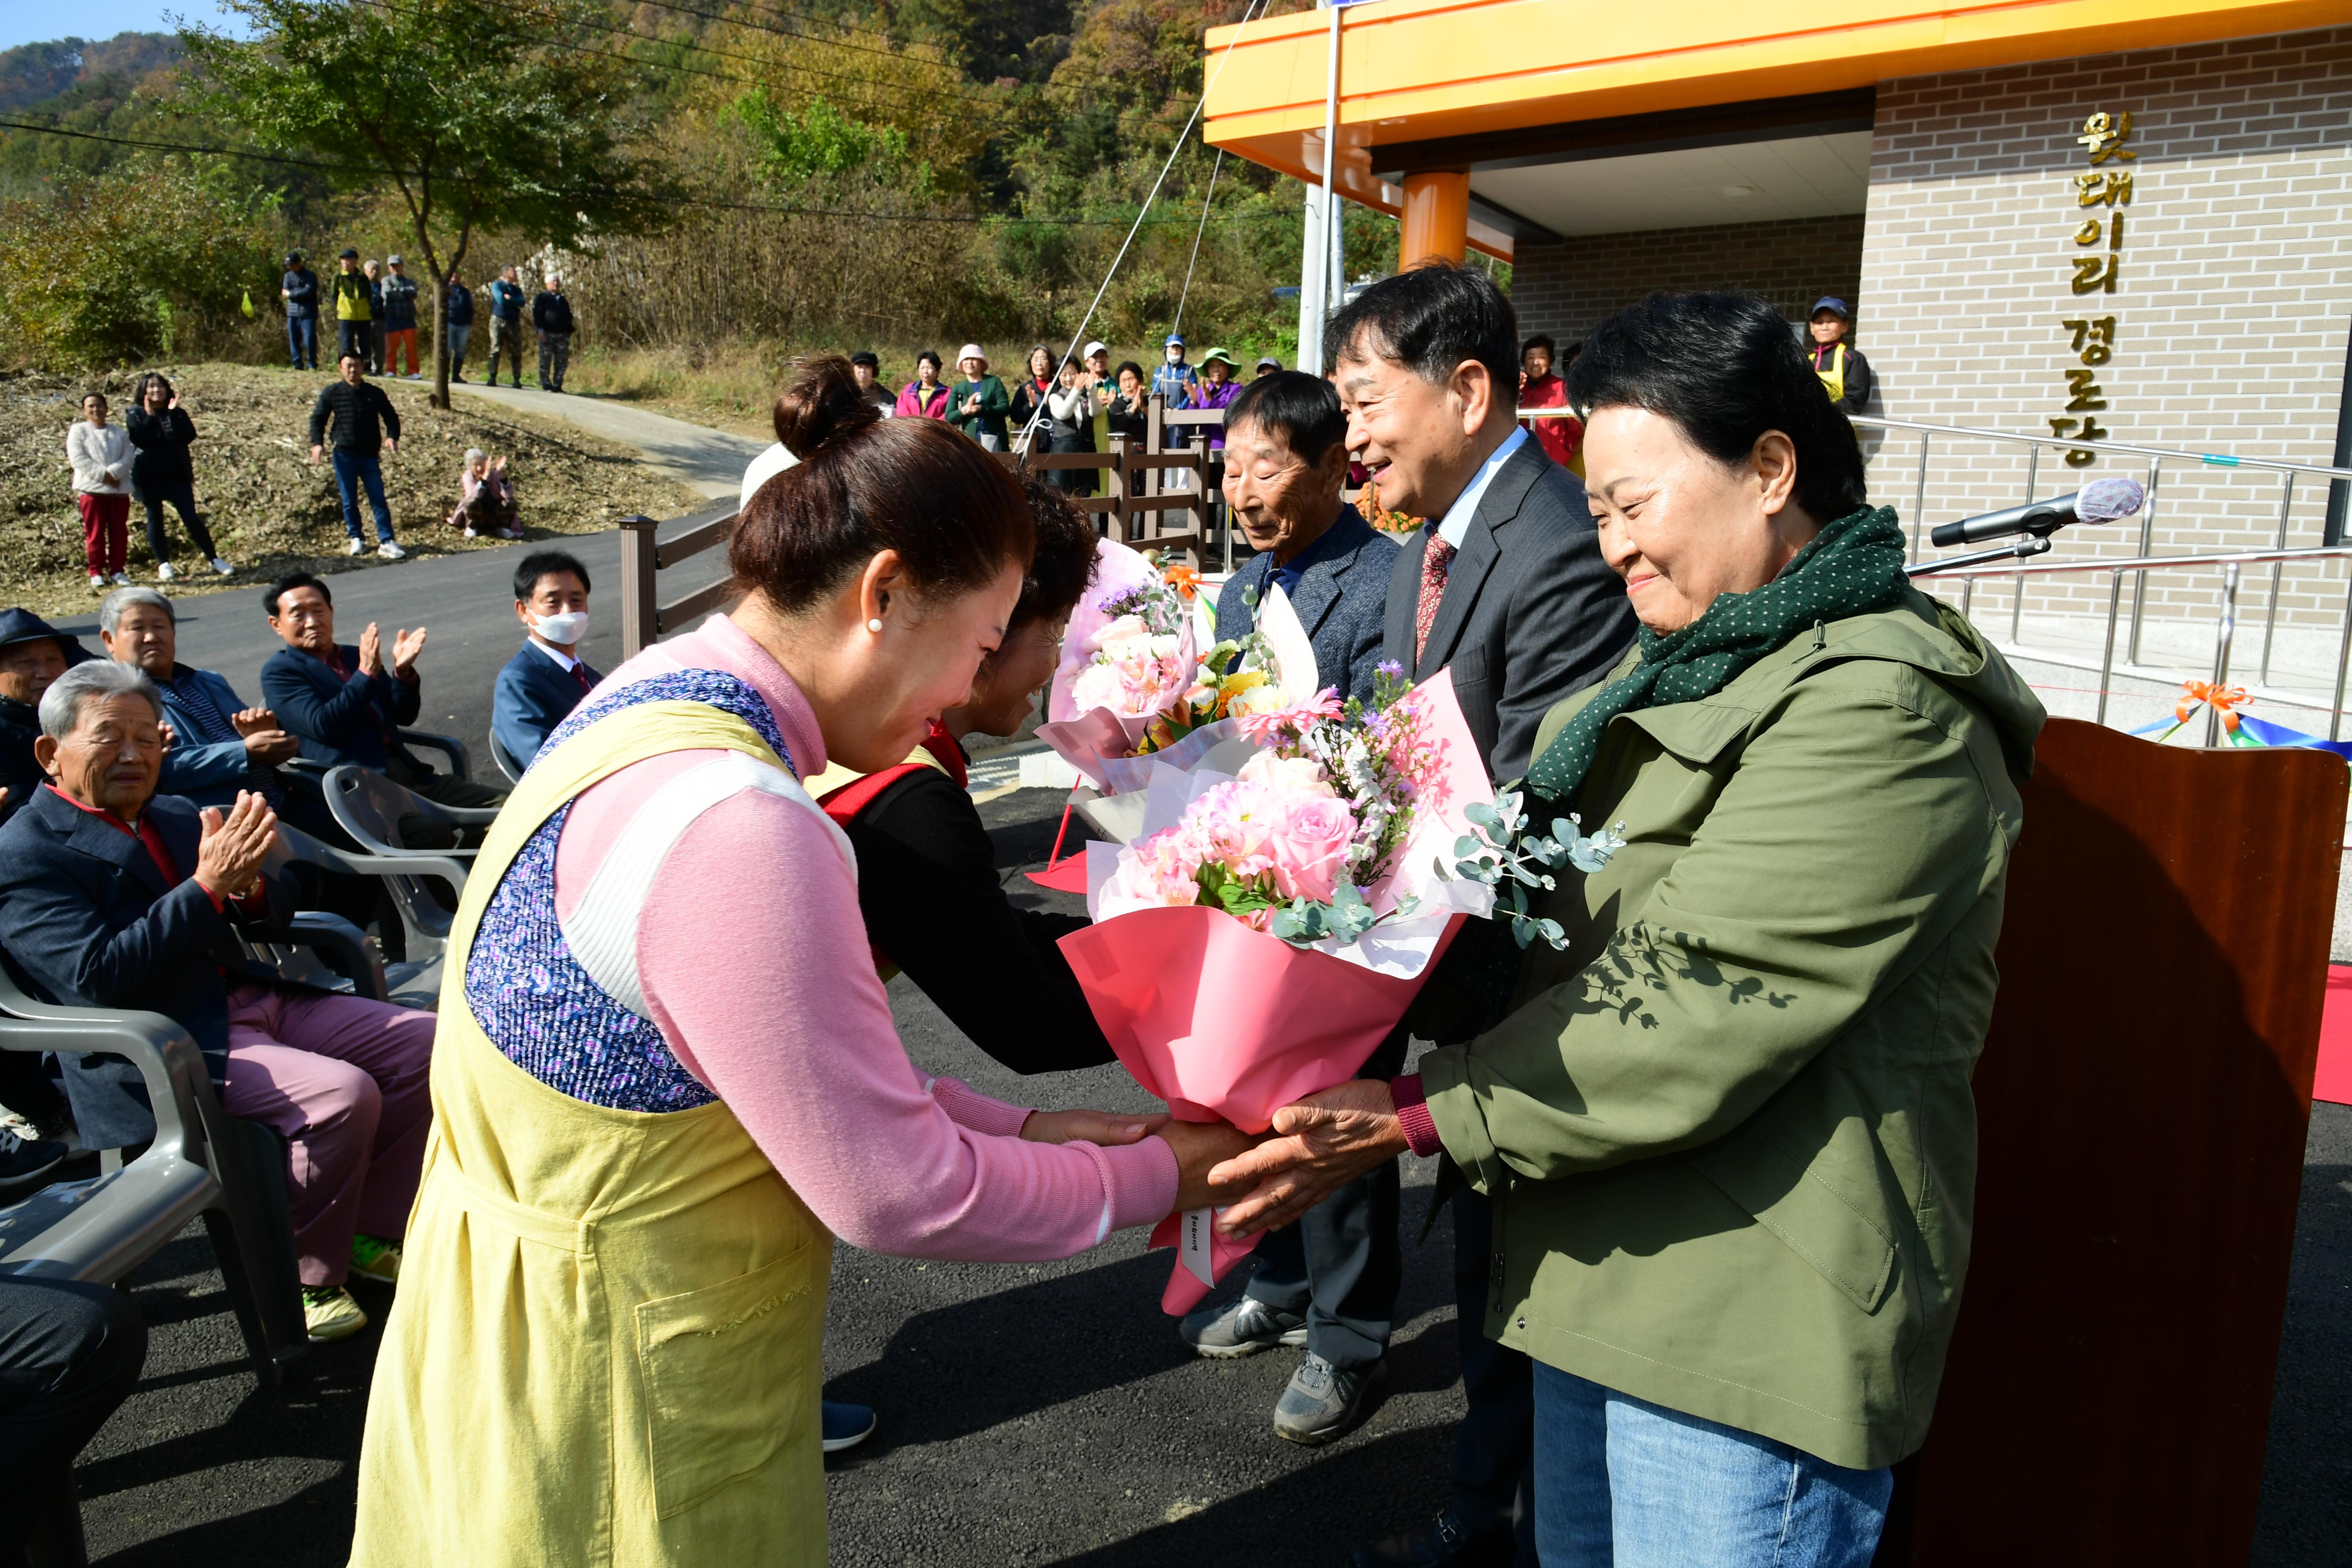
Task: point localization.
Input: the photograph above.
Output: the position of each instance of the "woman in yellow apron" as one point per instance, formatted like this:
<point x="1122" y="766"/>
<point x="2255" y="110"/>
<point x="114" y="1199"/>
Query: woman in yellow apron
<point x="665" y="1075"/>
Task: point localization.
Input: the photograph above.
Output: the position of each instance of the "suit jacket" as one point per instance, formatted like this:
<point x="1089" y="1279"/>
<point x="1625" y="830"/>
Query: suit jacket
<point x="20" y="775"/>
<point x="338" y="720"/>
<point x="532" y="697"/>
<point x="1341" y="599"/>
<point x="1530" y="615"/>
<point x="209" y="773"/>
<point x="90" y="921"/>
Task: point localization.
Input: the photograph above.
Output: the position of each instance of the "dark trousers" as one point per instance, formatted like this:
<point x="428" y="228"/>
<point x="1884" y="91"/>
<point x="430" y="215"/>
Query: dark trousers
<point x="1494" y="1451"/>
<point x="302" y="341"/>
<point x="356" y="338"/>
<point x="1342" y="1262"/>
<point x="183" y="498"/>
<point x="69" y="1353"/>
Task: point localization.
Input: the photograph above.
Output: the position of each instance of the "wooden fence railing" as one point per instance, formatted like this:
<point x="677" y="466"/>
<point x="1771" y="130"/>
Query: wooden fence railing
<point x="1140" y="505"/>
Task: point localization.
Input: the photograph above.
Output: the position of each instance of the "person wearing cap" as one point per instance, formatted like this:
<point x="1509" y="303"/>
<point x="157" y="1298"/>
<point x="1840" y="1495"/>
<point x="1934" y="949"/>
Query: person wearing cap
<point x="399" y="319"/>
<point x="461" y="324"/>
<point x="300" y="289"/>
<point x="868" y="373"/>
<point x="550" y="317"/>
<point x="1175" y="380"/>
<point x="506" y="324"/>
<point x="977" y="405"/>
<point x="1220" y="384"/>
<point x="99" y="454"/>
<point x="1266" y="365"/>
<point x="33" y="653"/>
<point x="1101" y="384"/>
<point x="1844" y="374"/>
<point x="354" y="308"/>
<point x="372" y="270"/>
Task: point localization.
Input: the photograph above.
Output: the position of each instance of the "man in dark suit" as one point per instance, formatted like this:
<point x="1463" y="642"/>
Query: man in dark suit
<point x="1331" y="1279"/>
<point x="1504" y="585"/>
<point x="113" y="896"/>
<point x="343" y="701"/>
<point x="546" y="678"/>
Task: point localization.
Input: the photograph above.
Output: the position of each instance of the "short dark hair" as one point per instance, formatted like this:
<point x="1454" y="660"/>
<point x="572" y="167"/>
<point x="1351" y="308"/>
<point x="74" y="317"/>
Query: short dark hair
<point x="1429" y="319"/>
<point x="866" y="484"/>
<point x="1541" y="341"/>
<point x="1127" y="365"/>
<point x="937" y="362"/>
<point x="1305" y="408"/>
<point x="547" y="563"/>
<point x="287" y="584"/>
<point x="1724" y="368"/>
<point x="352" y="354"/>
<point x="1065" y="562"/>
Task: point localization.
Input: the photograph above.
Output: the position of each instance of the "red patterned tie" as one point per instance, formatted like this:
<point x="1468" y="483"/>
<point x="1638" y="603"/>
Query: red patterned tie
<point x="1433" y="562"/>
<point x="580" y="674"/>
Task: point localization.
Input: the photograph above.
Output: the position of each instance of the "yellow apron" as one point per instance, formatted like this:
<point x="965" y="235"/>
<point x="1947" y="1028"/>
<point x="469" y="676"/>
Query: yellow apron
<point x="1834" y="378"/>
<point x="607" y="1343"/>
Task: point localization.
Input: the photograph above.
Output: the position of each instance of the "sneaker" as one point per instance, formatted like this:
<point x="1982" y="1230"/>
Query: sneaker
<point x="352" y="547"/>
<point x="120" y="579"/>
<point x="223" y="567"/>
<point x="25" y="1163"/>
<point x="390" y="551"/>
<point x="1444" y="1542"/>
<point x="847" y="1426"/>
<point x="97" y="581"/>
<point x="329" y="1313"/>
<point x="1244" y="1328"/>
<point x="468" y="533"/>
<point x="164" y="574"/>
<point x="375" y="1258"/>
<point x="1323" y="1401"/>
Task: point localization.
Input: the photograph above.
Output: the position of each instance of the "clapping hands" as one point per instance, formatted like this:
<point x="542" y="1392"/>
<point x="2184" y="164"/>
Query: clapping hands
<point x="405" y="646"/>
<point x="233" y="845"/>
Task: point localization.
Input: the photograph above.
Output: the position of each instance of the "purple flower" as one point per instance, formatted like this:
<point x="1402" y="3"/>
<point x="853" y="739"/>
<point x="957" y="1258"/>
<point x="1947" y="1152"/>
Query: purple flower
<point x="1389" y="667"/>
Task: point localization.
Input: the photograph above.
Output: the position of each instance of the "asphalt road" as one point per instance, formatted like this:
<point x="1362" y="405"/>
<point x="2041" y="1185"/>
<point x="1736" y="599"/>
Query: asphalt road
<point x="1039" y="1412"/>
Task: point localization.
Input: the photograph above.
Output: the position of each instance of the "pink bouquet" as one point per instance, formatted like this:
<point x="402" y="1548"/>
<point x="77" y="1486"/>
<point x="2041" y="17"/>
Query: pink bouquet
<point x="1265" y="928"/>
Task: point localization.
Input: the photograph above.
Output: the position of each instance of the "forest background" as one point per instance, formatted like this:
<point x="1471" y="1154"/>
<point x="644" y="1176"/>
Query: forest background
<point x="891" y="175"/>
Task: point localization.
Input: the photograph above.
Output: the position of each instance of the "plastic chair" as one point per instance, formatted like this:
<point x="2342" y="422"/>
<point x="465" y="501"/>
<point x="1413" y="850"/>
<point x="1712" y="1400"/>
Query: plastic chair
<point x="202" y="1161"/>
<point x="505" y="759"/>
<point x="461" y="762"/>
<point x="343" y="949"/>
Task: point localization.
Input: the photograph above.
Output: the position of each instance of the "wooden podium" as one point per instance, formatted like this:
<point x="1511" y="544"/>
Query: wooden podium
<point x="2142" y="1100"/>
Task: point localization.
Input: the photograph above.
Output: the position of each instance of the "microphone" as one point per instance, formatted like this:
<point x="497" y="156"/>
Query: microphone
<point x="2102" y="501"/>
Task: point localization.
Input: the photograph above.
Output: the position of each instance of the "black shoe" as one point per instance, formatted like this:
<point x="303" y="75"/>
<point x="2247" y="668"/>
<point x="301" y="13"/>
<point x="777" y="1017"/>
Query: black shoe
<point x="1443" y="1540"/>
<point x="26" y="1163"/>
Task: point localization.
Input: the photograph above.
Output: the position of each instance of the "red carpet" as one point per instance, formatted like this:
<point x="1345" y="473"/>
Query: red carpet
<point x="2334" y="1080"/>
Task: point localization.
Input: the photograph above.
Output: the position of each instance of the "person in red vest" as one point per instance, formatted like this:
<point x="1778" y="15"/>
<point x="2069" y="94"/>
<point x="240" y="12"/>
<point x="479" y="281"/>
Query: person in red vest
<point x="1562" y="436"/>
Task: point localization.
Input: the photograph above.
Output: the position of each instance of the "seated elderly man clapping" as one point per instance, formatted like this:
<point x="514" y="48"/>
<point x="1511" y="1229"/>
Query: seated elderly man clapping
<point x="113" y="896"/>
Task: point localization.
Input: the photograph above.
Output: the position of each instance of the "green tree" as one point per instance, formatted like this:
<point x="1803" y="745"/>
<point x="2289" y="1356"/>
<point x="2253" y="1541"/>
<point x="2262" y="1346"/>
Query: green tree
<point x="480" y="117"/>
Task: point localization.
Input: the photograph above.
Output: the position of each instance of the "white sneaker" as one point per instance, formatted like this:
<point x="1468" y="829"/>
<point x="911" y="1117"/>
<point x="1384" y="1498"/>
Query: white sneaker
<point x="352" y="547"/>
<point x="223" y="567"/>
<point x="390" y="551"/>
<point x="164" y="574"/>
<point x="470" y="534"/>
<point x="97" y="581"/>
<point x="121" y="579"/>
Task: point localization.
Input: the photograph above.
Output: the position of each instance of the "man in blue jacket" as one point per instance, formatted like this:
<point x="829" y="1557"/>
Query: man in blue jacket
<point x="546" y="678"/>
<point x="506" y="324"/>
<point x="343" y="701"/>
<point x="300" y="289"/>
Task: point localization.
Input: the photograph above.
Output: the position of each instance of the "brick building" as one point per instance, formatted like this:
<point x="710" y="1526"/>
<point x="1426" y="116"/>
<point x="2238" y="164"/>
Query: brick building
<point x="1966" y="176"/>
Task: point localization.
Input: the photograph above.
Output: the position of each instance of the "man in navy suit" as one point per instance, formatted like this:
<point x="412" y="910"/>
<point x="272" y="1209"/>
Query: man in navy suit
<point x="113" y="896"/>
<point x="343" y="701"/>
<point x="546" y="678"/>
<point x="1330" y="1282"/>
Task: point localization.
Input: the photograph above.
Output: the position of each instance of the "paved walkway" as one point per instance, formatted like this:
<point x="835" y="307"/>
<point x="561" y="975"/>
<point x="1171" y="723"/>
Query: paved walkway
<point x="712" y="462"/>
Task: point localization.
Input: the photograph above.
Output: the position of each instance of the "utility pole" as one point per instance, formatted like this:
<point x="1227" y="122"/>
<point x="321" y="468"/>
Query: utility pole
<point x="1319" y="294"/>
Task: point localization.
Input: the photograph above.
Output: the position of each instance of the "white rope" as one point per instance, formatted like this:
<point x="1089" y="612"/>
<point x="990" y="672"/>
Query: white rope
<point x="1028" y="430"/>
<point x="1214" y="171"/>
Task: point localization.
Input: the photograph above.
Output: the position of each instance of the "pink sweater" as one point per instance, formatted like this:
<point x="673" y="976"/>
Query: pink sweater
<point x="754" y="963"/>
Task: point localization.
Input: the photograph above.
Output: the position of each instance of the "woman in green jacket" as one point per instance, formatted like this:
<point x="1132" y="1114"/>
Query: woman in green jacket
<point x="977" y="404"/>
<point x="1727" y="1124"/>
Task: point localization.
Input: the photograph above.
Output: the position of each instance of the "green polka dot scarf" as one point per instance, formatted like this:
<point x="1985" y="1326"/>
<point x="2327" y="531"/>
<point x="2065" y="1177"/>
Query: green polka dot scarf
<point x="1852" y="567"/>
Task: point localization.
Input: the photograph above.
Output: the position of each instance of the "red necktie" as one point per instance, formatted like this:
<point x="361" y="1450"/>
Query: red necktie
<point x="1433" y="564"/>
<point x="580" y="674"/>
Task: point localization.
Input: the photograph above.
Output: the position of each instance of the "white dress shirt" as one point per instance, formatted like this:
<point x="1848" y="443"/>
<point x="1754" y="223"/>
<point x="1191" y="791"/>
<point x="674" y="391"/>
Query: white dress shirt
<point x="1454" y="526"/>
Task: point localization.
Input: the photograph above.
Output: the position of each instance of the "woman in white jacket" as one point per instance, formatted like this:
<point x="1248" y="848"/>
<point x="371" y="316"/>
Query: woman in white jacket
<point x="100" y="456"/>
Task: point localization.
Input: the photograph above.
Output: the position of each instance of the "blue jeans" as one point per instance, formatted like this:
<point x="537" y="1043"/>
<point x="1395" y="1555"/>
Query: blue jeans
<point x="302" y="341"/>
<point x="459" y="332"/>
<point x="350" y="468"/>
<point x="1621" y="1483"/>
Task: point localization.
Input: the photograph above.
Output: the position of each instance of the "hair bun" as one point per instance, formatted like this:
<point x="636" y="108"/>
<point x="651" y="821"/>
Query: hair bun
<point x="822" y="404"/>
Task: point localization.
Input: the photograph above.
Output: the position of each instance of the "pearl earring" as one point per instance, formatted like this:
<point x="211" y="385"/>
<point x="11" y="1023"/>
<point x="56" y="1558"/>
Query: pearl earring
<point x="875" y="625"/>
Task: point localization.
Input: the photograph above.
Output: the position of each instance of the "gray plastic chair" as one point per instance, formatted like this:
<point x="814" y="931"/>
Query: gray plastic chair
<point x="461" y="760"/>
<point x="505" y="759"/>
<point x="347" y="953"/>
<point x="202" y="1161"/>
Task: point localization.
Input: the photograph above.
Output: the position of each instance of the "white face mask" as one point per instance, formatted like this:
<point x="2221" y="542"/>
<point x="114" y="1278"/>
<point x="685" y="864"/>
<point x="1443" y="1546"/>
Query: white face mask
<point x="563" y="630"/>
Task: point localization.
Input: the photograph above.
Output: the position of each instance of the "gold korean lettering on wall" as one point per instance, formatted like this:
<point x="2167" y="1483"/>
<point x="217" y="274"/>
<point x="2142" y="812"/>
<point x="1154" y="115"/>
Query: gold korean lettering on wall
<point x="2096" y="258"/>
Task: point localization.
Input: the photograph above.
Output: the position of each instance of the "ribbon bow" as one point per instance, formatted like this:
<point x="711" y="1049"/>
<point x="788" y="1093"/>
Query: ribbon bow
<point x="1185" y="580"/>
<point x="2222" y="699"/>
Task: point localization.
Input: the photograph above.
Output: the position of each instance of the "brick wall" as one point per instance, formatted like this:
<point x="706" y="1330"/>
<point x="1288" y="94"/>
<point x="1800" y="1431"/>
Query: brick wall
<point x="2233" y="295"/>
<point x="1565" y="290"/>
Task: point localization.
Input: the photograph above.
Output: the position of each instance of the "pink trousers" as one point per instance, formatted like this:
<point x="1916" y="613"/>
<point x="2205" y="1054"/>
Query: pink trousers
<point x="344" y="1080"/>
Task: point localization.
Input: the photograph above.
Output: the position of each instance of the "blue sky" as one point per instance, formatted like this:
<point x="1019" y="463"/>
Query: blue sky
<point x="32" y="21"/>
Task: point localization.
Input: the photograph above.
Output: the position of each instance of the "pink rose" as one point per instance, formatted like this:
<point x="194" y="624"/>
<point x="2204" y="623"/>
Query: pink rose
<point x="1310" y="847"/>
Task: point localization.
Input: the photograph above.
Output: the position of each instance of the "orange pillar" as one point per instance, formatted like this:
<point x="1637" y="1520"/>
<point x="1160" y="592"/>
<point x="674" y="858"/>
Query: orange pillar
<point x="1437" y="216"/>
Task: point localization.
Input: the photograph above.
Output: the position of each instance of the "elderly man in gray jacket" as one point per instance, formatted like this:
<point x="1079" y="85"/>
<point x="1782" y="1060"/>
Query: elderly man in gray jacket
<point x="1331" y="1281"/>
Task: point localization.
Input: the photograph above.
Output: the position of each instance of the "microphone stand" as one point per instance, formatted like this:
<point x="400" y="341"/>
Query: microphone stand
<point x="2024" y="549"/>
